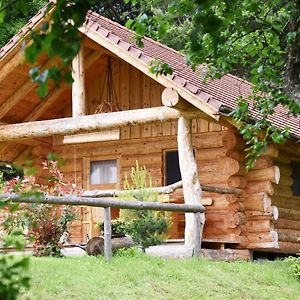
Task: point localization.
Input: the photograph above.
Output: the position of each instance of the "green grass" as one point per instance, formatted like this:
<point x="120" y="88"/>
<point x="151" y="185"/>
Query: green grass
<point x="143" y="277"/>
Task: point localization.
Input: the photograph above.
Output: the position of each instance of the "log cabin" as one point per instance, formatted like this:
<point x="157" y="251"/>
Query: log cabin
<point x="117" y="112"/>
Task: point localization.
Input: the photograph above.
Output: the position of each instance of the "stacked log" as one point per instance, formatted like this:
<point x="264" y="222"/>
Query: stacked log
<point x="288" y="223"/>
<point x="257" y="205"/>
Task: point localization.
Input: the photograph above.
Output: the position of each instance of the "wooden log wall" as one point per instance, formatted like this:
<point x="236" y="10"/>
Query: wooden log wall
<point x="288" y="223"/>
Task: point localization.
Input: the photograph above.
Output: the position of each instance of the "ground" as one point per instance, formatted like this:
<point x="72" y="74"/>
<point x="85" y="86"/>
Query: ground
<point x="137" y="276"/>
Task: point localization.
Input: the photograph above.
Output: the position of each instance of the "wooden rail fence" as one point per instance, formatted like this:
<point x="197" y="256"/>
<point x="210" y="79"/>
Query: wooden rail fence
<point x="107" y="203"/>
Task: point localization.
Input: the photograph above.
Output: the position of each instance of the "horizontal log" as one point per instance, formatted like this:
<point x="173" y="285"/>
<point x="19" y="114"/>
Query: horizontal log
<point x="257" y="202"/>
<point x="289" y="214"/>
<point x="287" y="224"/>
<point x="285" y="169"/>
<point x="258" y="226"/>
<point x="289" y="202"/>
<point x="259" y="186"/>
<point x="90" y="123"/>
<point x="283" y="191"/>
<point x="237" y="181"/>
<point x="263" y="245"/>
<point x="271" y="151"/>
<point x="211" y="154"/>
<point x="163" y="190"/>
<point x="104" y="202"/>
<point x="95" y="246"/>
<point x="233" y="141"/>
<point x="272" y="174"/>
<point x="271" y="214"/>
<point x="263" y="162"/>
<point x="236" y="155"/>
<point x="263" y="237"/>
<point x="288" y="247"/>
<point x="288" y="235"/>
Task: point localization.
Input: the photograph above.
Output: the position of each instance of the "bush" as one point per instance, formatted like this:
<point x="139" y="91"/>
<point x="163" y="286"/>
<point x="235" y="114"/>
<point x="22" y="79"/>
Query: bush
<point x="295" y="264"/>
<point x="146" y="227"/>
<point x="44" y="224"/>
<point x="13" y="270"/>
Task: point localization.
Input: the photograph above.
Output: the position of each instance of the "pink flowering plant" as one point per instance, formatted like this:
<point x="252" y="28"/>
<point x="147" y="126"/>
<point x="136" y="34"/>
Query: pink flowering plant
<point x="42" y="223"/>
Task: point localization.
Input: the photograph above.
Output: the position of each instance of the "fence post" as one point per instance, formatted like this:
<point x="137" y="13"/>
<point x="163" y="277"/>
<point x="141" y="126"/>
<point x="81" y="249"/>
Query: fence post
<point x="197" y="238"/>
<point x="107" y="234"/>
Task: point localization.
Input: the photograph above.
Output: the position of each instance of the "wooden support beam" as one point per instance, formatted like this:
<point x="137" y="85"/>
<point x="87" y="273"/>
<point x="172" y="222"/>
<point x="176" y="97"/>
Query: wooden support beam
<point x="190" y="181"/>
<point x="78" y="87"/>
<point x="20" y="93"/>
<point x="89" y="123"/>
<point x="162" y="190"/>
<point x="171" y="98"/>
<point x="14" y="62"/>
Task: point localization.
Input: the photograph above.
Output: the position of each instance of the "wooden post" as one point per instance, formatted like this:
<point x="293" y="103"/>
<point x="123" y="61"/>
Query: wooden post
<point x="197" y="246"/>
<point x="190" y="181"/>
<point x="107" y="234"/>
<point x="78" y="88"/>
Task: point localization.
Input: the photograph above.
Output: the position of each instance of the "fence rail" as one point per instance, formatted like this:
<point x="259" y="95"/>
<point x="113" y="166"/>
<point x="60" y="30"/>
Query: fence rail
<point x="107" y="203"/>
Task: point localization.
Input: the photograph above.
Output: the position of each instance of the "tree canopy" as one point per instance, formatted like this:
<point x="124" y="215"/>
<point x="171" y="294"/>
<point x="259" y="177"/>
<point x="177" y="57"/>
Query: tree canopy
<point x="256" y="40"/>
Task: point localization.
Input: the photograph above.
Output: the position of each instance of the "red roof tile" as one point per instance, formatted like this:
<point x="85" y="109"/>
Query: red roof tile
<point x="217" y="93"/>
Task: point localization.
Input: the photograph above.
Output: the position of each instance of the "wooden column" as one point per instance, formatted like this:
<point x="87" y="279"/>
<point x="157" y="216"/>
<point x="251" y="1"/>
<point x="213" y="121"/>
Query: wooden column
<point x="190" y="181"/>
<point x="107" y="234"/>
<point x="78" y="88"/>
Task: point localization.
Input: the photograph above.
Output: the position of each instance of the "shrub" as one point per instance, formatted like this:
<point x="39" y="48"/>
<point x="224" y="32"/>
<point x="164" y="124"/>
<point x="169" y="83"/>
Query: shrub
<point x="295" y="264"/>
<point x="13" y="270"/>
<point x="44" y="224"/>
<point x="146" y="227"/>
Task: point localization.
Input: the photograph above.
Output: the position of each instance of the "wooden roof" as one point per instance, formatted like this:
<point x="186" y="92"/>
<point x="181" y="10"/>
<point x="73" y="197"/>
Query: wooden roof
<point x="211" y="97"/>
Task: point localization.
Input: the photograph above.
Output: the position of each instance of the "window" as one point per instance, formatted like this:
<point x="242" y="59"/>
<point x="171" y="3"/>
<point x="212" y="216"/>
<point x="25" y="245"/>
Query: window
<point x="296" y="177"/>
<point x="103" y="172"/>
<point x="172" y="171"/>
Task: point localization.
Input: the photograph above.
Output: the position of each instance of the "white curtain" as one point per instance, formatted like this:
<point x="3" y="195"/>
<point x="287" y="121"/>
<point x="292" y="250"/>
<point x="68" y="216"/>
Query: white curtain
<point x="103" y="172"/>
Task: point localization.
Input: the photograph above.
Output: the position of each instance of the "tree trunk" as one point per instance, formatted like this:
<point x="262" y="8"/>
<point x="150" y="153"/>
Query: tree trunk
<point x="189" y="173"/>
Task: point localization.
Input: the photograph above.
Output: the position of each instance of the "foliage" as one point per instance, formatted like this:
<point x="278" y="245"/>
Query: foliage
<point x="117" y="228"/>
<point x="13" y="276"/>
<point x="143" y="277"/>
<point x="295" y="264"/>
<point x="44" y="223"/>
<point x="257" y="40"/>
<point x="146" y="227"/>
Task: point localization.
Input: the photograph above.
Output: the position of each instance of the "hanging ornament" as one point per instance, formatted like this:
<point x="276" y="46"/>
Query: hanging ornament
<point x="111" y="103"/>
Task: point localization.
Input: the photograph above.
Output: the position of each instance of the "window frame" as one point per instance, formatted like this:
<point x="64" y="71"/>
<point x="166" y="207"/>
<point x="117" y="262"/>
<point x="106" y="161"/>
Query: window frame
<point x="295" y="177"/>
<point x="87" y="173"/>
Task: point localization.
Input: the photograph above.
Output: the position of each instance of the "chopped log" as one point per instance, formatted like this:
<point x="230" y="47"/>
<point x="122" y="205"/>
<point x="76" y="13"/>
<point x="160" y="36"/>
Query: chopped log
<point x="259" y="186"/>
<point x="263" y="245"/>
<point x="211" y="154"/>
<point x="78" y="86"/>
<point x="224" y="165"/>
<point x="190" y="182"/>
<point x="236" y="155"/>
<point x="272" y="174"/>
<point x="271" y="214"/>
<point x="289" y="214"/>
<point x="232" y="141"/>
<point x="262" y="225"/>
<point x="171" y="98"/>
<point x="257" y="202"/>
<point x="263" y="162"/>
<point x="98" y="122"/>
<point x="271" y="151"/>
<point x="237" y="181"/>
<point x="288" y="235"/>
<point x="95" y="245"/>
<point x="263" y="237"/>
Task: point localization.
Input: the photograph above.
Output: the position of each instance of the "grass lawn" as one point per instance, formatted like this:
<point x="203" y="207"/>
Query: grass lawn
<point x="143" y="277"/>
